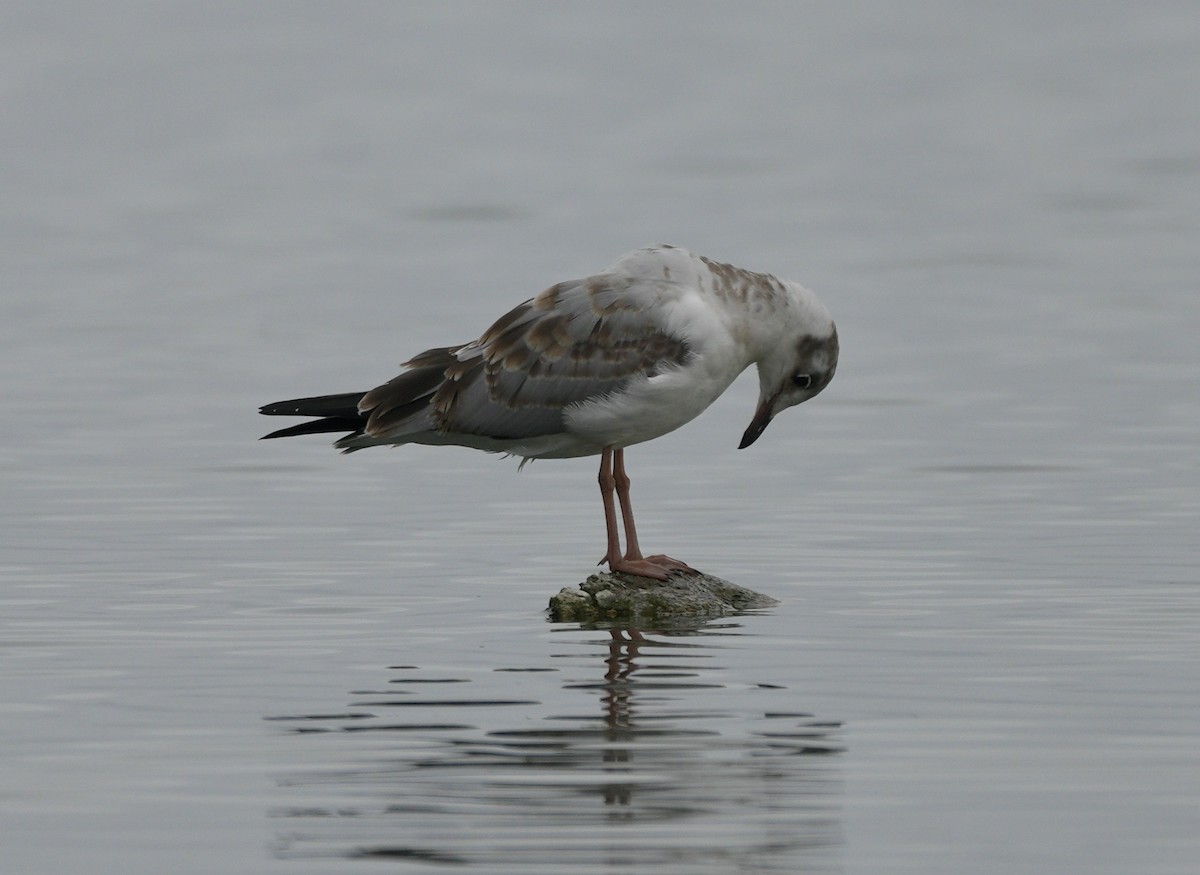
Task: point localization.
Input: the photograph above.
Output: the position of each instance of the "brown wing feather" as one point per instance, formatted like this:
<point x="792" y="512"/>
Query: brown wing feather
<point x="398" y="401"/>
<point x="574" y="342"/>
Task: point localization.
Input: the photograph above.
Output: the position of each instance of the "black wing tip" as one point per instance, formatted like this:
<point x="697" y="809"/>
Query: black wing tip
<point x="344" y="405"/>
<point x="294" y="407"/>
<point x="318" y="426"/>
<point x="331" y="413"/>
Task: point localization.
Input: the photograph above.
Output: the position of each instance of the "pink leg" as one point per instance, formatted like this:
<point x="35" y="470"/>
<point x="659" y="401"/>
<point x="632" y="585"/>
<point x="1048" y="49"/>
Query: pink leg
<point x="615" y="559"/>
<point x="607" y="483"/>
<point x="613" y="478"/>
<point x="632" y="549"/>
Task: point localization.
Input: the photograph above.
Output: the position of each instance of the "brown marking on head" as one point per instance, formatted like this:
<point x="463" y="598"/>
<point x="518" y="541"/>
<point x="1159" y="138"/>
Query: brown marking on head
<point x="808" y="346"/>
<point x="738" y="285"/>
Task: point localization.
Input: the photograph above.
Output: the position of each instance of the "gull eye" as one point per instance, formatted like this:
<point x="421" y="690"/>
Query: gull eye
<point x="802" y="381"/>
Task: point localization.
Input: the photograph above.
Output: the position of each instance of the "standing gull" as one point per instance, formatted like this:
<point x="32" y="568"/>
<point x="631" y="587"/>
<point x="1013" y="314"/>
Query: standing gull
<point x="595" y="365"/>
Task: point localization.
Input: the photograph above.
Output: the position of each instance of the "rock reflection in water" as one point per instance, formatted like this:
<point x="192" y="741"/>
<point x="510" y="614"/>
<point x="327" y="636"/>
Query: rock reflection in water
<point x="675" y="761"/>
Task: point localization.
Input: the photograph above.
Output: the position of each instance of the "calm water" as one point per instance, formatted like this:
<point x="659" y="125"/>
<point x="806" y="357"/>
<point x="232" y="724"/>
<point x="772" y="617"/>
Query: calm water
<point x="226" y="656"/>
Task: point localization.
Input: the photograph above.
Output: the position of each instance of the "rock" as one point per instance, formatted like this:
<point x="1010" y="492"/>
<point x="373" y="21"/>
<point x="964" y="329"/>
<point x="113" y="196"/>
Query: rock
<point x="629" y="598"/>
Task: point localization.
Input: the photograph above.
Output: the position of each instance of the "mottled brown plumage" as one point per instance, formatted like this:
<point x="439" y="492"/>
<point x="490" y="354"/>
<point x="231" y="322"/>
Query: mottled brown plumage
<point x="594" y="365"/>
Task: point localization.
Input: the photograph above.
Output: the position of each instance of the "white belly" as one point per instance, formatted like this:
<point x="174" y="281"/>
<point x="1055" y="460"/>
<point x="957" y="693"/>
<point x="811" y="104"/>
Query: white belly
<point x="647" y="409"/>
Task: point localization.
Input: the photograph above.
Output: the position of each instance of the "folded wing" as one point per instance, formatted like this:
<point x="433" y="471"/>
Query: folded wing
<point x="574" y="342"/>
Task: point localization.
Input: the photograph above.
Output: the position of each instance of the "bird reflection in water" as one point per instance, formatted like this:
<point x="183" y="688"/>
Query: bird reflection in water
<point x="621" y="663"/>
<point x="689" y="764"/>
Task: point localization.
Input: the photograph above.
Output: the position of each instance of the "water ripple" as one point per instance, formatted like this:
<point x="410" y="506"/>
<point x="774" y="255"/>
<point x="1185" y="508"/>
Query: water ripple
<point x="642" y="751"/>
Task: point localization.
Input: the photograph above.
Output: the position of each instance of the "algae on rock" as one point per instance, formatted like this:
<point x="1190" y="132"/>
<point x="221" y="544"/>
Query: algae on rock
<point x="626" y="597"/>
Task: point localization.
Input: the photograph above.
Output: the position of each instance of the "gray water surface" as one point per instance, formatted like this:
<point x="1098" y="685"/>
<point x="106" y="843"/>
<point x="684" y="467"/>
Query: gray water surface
<point x="219" y="655"/>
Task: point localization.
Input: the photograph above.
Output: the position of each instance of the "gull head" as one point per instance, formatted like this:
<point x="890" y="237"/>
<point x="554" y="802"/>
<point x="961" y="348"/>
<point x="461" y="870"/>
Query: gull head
<point x="794" y="371"/>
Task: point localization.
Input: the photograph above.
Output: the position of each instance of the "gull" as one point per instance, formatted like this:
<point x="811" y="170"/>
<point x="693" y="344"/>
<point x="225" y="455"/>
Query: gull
<point x="594" y="365"/>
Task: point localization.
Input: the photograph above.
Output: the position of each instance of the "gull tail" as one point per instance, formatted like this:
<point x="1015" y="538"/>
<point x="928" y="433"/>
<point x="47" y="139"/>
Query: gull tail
<point x="335" y="412"/>
<point x="398" y="412"/>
